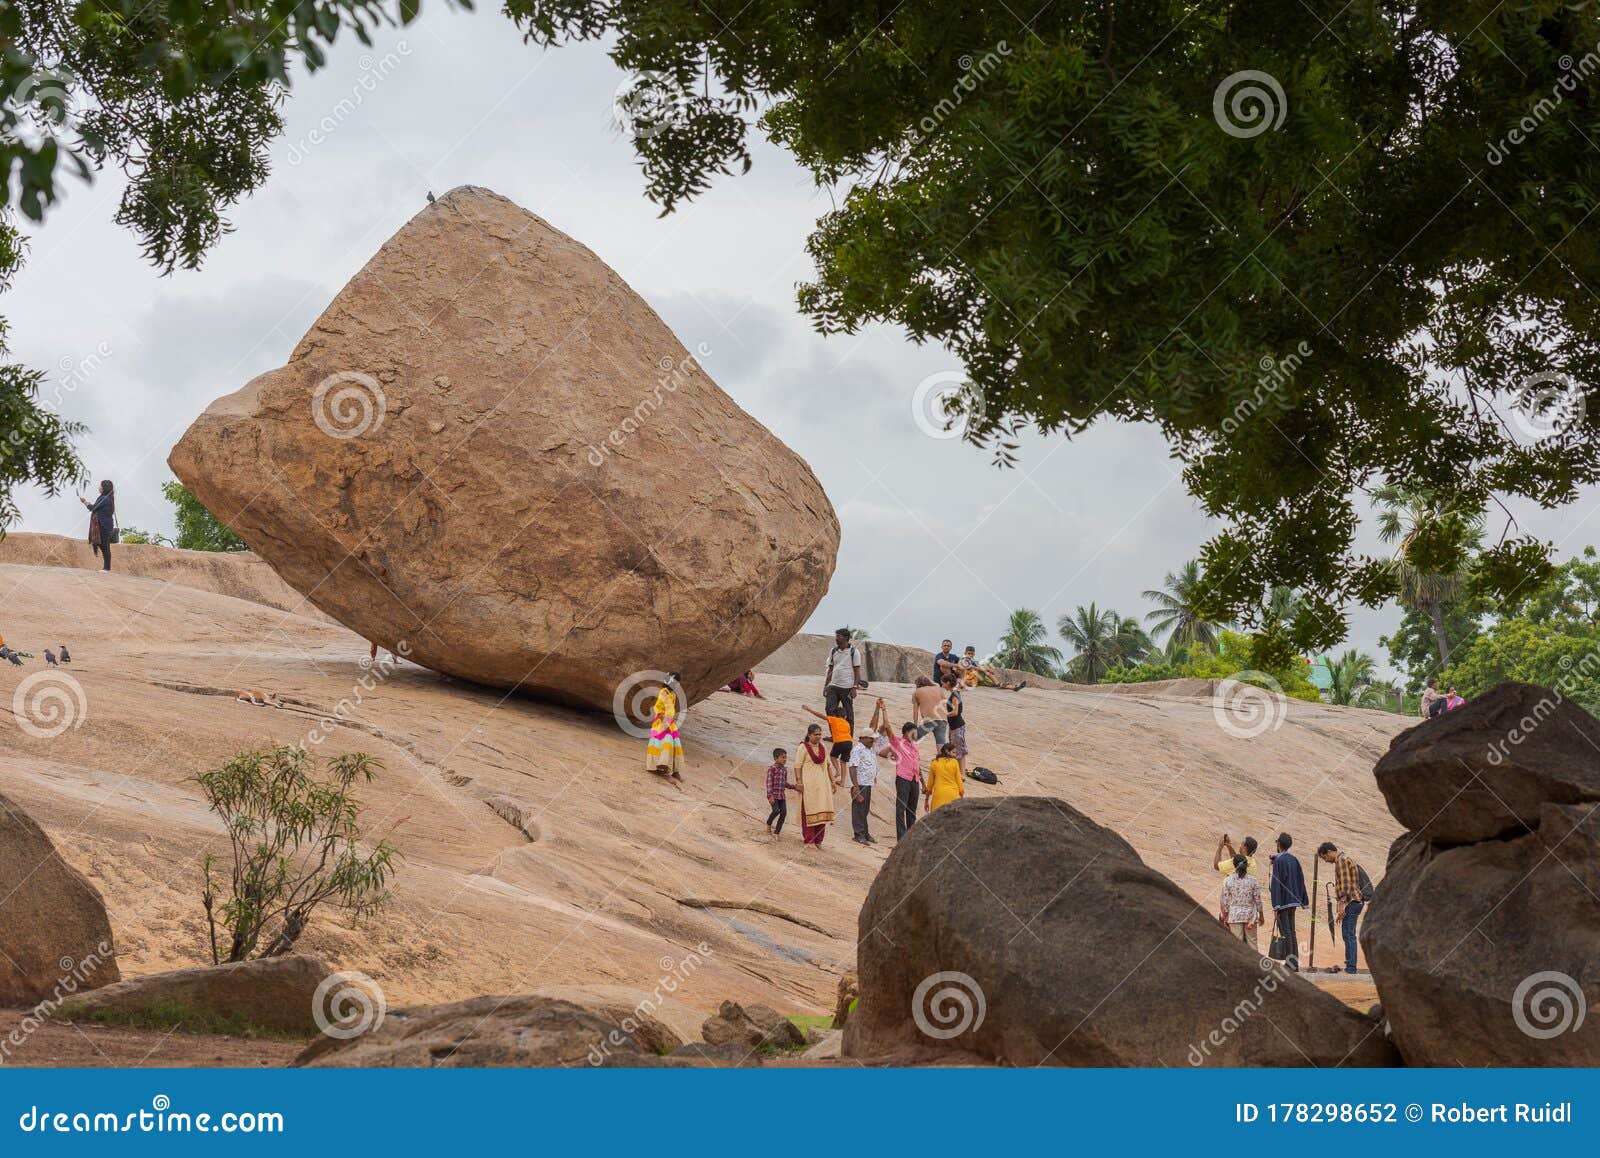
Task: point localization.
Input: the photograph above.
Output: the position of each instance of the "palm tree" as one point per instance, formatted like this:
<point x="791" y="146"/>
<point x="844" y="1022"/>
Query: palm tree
<point x="1282" y="605"/>
<point x="1177" y="612"/>
<point x="1133" y="641"/>
<point x="1024" y="646"/>
<point x="1093" y="635"/>
<point x="1408" y="515"/>
<point x="1351" y="681"/>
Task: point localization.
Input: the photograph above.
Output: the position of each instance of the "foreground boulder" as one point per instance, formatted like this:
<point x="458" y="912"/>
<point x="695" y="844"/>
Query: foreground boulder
<point x="1486" y="769"/>
<point x="275" y="993"/>
<point x="1484" y="936"/>
<point x="1489" y="954"/>
<point x="54" y="933"/>
<point x="494" y="1032"/>
<point x="491" y="450"/>
<point x="1020" y="931"/>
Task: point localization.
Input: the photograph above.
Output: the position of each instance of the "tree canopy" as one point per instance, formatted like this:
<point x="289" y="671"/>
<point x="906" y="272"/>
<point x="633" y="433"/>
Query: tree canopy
<point x="1321" y="245"/>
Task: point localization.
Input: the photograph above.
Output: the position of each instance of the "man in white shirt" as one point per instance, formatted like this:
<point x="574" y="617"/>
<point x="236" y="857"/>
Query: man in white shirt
<point x="842" y="677"/>
<point x="863" y="768"/>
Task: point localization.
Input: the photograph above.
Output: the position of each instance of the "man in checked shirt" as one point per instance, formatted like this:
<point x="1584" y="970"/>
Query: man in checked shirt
<point x="1347" y="892"/>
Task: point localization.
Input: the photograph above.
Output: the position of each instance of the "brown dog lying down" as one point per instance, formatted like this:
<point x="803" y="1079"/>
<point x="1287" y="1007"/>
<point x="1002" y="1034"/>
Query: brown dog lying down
<point x="259" y="698"/>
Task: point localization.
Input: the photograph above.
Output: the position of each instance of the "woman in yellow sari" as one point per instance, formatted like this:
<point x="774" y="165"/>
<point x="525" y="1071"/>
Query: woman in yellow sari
<point x="816" y="788"/>
<point x="944" y="778"/>
<point x="665" y="753"/>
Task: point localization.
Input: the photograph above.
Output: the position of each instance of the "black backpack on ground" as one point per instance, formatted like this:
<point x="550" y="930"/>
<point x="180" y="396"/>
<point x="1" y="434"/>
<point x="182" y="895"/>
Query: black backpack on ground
<point x="983" y="776"/>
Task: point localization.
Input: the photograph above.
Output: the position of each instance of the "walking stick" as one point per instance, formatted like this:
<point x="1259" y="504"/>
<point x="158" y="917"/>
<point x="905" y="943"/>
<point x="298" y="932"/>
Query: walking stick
<point x="1311" y="963"/>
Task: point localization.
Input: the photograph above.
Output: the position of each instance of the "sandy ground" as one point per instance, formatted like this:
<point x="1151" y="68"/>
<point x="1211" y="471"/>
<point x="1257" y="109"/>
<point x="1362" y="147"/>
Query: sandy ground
<point x="615" y="877"/>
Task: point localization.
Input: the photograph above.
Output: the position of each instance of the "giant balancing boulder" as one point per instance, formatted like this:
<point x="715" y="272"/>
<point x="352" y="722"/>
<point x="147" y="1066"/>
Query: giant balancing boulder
<point x="491" y="454"/>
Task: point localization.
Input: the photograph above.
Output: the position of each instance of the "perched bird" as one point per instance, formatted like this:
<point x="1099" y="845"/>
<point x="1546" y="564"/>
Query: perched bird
<point x="50" y="657"/>
<point x="65" y="658"/>
<point x="7" y="653"/>
<point x="430" y="197"/>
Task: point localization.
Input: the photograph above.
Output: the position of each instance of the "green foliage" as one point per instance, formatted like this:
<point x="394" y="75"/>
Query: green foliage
<point x="1237" y="656"/>
<point x="1024" y="645"/>
<point x="1358" y="292"/>
<point x="1436" y="547"/>
<point x="1352" y="677"/>
<point x="1101" y="639"/>
<point x="183" y="98"/>
<point x="1413" y="648"/>
<point x="138" y="537"/>
<point x="295" y="846"/>
<point x="198" y="528"/>
<point x="1551" y="637"/>
<point x="175" y="1016"/>
<point x="1180" y="612"/>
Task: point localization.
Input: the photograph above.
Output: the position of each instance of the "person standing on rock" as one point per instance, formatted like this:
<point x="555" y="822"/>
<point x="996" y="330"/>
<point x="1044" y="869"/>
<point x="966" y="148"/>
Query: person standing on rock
<point x="907" y="777"/>
<point x="944" y="779"/>
<point x="842" y="677"/>
<point x="1288" y="895"/>
<point x="927" y="712"/>
<point x="1347" y="894"/>
<point x="778" y="784"/>
<point x="1241" y="902"/>
<point x="664" y="755"/>
<point x="1224" y="856"/>
<point x="816" y="788"/>
<point x="102" y="522"/>
<point x="863" y="769"/>
<point x="958" y="722"/>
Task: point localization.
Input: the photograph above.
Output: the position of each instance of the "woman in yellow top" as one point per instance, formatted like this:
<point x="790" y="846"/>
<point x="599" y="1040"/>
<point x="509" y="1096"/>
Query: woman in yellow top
<point x="944" y="778"/>
<point x="665" y="753"/>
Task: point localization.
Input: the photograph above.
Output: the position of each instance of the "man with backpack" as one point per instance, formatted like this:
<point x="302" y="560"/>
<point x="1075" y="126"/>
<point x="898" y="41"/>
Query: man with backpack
<point x="842" y="678"/>
<point x="1352" y="889"/>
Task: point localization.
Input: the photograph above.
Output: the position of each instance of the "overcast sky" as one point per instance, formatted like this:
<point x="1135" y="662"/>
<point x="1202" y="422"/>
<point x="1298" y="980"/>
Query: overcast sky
<point x="936" y="542"/>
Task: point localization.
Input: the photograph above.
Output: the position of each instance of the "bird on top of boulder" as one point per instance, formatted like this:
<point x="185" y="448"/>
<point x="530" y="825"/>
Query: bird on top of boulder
<point x="430" y="196"/>
<point x="65" y="658"/>
<point x="50" y="657"/>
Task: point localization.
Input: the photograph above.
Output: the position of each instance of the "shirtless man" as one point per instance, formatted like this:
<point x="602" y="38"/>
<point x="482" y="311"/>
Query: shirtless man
<point x="928" y="711"/>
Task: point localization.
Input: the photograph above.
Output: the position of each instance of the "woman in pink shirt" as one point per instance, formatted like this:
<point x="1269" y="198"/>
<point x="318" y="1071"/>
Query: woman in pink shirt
<point x="907" y="774"/>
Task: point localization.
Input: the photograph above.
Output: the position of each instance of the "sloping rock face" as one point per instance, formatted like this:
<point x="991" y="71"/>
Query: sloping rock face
<point x="1484" y="936"/>
<point x="1021" y="931"/>
<point x="491" y="450"/>
<point x="1487" y="769"/>
<point x="55" y="936"/>
<point x="277" y="993"/>
<point x="494" y="1032"/>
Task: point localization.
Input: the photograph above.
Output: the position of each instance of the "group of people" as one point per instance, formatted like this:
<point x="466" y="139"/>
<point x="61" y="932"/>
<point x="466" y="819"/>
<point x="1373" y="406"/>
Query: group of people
<point x="1244" y="904"/>
<point x="1437" y="703"/>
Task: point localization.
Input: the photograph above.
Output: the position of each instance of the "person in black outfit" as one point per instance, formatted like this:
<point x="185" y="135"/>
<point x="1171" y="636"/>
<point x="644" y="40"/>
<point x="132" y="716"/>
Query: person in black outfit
<point x="1288" y="894"/>
<point x="102" y="522"/>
